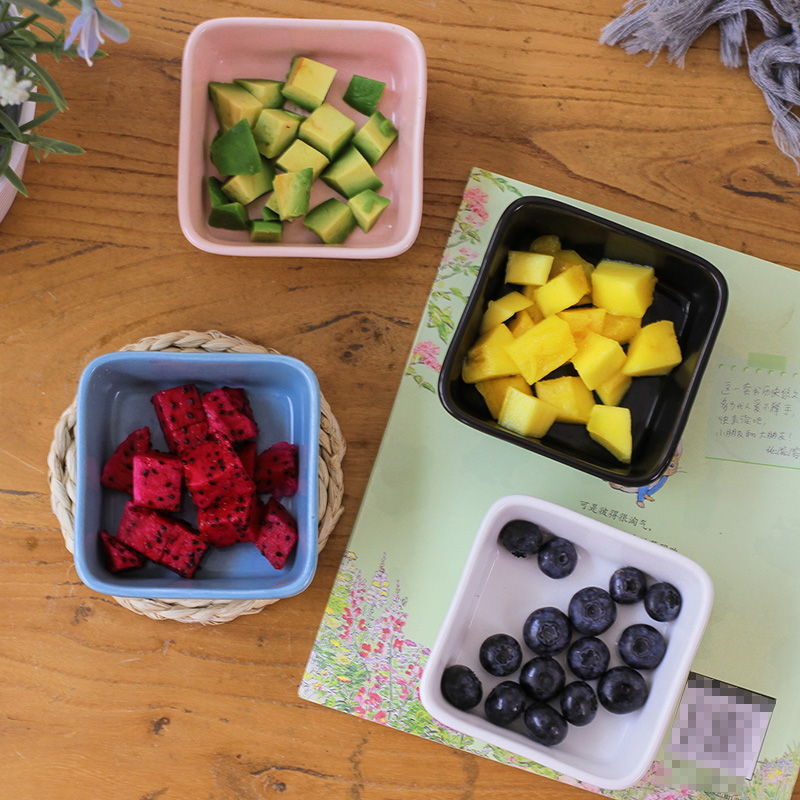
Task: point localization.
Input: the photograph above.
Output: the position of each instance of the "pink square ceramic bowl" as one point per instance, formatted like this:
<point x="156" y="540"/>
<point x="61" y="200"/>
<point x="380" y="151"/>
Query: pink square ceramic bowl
<point x="242" y="47"/>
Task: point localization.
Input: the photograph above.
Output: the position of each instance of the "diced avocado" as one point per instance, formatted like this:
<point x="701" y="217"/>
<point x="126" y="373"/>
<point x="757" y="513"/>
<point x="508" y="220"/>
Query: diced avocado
<point x="308" y="82"/>
<point x="332" y="220"/>
<point x="265" y="231"/>
<point x="215" y="193"/>
<point x="235" y="153"/>
<point x="232" y="104"/>
<point x="232" y="216"/>
<point x="295" y="115"/>
<point x="327" y="130"/>
<point x="367" y="206"/>
<point x="274" y="131"/>
<point x="364" y="94"/>
<point x="292" y="193"/>
<point x="246" y="188"/>
<point x="351" y="174"/>
<point x="267" y="92"/>
<point x="271" y="206"/>
<point x="299" y="155"/>
<point x="269" y="215"/>
<point x="375" y="137"/>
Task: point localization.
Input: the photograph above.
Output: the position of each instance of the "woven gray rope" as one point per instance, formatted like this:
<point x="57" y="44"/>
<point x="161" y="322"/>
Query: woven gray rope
<point x="61" y="477"/>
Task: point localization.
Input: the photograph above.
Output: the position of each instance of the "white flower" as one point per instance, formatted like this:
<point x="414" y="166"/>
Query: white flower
<point x="12" y="90"/>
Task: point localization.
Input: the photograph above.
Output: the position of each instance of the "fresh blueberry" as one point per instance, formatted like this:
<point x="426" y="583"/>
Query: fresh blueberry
<point x="558" y="558"/>
<point x="542" y="677"/>
<point x="622" y="690"/>
<point x="544" y="724"/>
<point x="588" y="657"/>
<point x="663" y="602"/>
<point x="546" y="631"/>
<point x="627" y="585"/>
<point x="592" y="611"/>
<point x="578" y="703"/>
<point x="642" y="646"/>
<point x="521" y="538"/>
<point x="500" y="654"/>
<point x="505" y="703"/>
<point x="461" y="687"/>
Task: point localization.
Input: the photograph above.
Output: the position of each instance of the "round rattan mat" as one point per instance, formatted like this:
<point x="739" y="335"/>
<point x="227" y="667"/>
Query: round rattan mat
<point x="62" y="472"/>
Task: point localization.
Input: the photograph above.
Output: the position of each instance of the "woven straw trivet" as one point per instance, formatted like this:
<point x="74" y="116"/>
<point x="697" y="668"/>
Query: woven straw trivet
<point x="61" y="477"/>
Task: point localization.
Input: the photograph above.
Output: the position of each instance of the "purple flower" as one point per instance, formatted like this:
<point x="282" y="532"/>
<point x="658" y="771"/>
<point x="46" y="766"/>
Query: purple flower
<point x="90" y="25"/>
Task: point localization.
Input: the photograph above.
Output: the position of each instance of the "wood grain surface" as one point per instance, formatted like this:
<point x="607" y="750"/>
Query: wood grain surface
<point x="98" y="702"/>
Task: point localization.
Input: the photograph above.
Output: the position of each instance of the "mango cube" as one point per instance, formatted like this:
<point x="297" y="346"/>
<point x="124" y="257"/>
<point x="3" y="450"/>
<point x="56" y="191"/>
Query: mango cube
<point x="654" y="350"/>
<point x="521" y="322"/>
<point x="621" y="328"/>
<point x="581" y="320"/>
<point x="488" y="358"/>
<point x="622" y="288"/>
<point x="563" y="291"/>
<point x="533" y="310"/>
<point x="613" y="390"/>
<point x="493" y="391"/>
<point x="546" y="346"/>
<point x="597" y="359"/>
<point x="549" y="244"/>
<point x="529" y="269"/>
<point x="525" y="414"/>
<point x="503" y="308"/>
<point x="569" y="395"/>
<point x="610" y="426"/>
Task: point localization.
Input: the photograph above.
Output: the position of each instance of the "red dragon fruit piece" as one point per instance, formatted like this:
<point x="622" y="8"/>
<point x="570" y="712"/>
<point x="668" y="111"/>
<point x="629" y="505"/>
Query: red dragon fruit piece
<point x="118" y="556"/>
<point x="213" y="471"/>
<point x="181" y="415"/>
<point x="276" y="470"/>
<point x="157" y="479"/>
<point x="256" y="518"/>
<point x="247" y="455"/>
<point x="183" y="439"/>
<point x="277" y="535"/>
<point x="227" y="522"/>
<point x="229" y="414"/>
<point x="118" y="470"/>
<point x="184" y="551"/>
<point x="144" y="530"/>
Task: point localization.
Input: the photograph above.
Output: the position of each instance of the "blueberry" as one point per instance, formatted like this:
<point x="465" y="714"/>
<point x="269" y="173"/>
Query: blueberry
<point x="627" y="585"/>
<point x="544" y="724"/>
<point x="578" y="703"/>
<point x="521" y="538"/>
<point x="592" y="611"/>
<point x="663" y="602"/>
<point x="588" y="657"/>
<point x="461" y="687"/>
<point x="622" y="690"/>
<point x="500" y="654"/>
<point x="642" y="646"/>
<point x="542" y="677"/>
<point x="558" y="558"/>
<point x="505" y="703"/>
<point x="546" y="631"/>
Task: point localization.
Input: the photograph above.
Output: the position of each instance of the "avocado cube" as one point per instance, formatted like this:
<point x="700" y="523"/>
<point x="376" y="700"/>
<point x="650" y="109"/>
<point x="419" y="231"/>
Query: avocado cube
<point x="375" y="137"/>
<point x="327" y="130"/>
<point x="367" y="206"/>
<point x="364" y="94"/>
<point x="267" y="92"/>
<point x="351" y="173"/>
<point x="269" y="215"/>
<point x="272" y="208"/>
<point x="274" y="131"/>
<point x="308" y="82"/>
<point x="232" y="104"/>
<point x="299" y="155"/>
<point x="265" y="231"/>
<point x="215" y="193"/>
<point x="246" y="188"/>
<point x="292" y="194"/>
<point x="332" y="220"/>
<point x="232" y="216"/>
<point x="235" y="153"/>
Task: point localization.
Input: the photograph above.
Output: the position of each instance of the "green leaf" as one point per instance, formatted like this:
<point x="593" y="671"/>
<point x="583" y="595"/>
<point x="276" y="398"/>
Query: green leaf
<point x="12" y="176"/>
<point x="39" y="120"/>
<point x="42" y="10"/>
<point x="10" y="125"/>
<point x="49" y="145"/>
<point x="49" y="84"/>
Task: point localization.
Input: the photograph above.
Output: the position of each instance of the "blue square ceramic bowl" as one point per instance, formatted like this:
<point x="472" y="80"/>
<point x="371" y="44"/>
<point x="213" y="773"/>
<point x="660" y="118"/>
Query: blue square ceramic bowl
<point x="114" y="399"/>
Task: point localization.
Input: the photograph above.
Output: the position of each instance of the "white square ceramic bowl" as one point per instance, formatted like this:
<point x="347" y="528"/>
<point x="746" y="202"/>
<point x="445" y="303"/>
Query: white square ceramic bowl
<point x="498" y="591"/>
<point x="243" y="47"/>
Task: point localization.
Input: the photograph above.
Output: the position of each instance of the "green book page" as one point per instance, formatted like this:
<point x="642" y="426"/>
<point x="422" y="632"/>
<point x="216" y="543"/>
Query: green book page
<point x="726" y="501"/>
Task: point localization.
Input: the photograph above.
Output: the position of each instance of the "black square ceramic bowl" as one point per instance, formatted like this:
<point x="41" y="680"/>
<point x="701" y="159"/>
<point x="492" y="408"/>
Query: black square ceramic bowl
<point x="690" y="291"/>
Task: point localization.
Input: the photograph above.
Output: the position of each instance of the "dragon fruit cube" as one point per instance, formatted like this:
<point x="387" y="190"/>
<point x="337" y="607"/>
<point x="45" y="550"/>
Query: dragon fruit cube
<point x="144" y="530"/>
<point x="118" y="556"/>
<point x="247" y="455"/>
<point x="157" y="480"/>
<point x="212" y="471"/>
<point x="277" y="534"/>
<point x="276" y="470"/>
<point x="227" y="521"/>
<point x="184" y="551"/>
<point x="181" y="416"/>
<point x="229" y="414"/>
<point x="118" y="470"/>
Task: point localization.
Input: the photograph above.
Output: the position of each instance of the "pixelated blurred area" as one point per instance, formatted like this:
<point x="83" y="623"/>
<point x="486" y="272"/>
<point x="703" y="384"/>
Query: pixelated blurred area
<point x="716" y="737"/>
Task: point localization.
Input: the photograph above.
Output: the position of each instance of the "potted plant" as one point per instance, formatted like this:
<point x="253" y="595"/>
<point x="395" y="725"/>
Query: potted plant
<point x="29" y="30"/>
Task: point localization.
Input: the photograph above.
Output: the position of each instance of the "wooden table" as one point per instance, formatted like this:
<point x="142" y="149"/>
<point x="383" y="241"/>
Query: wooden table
<point x="98" y="701"/>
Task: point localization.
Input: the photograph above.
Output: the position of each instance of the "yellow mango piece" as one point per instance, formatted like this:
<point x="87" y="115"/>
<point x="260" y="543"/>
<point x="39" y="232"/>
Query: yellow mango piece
<point x="610" y="426"/>
<point x="597" y="359"/>
<point x="547" y="244"/>
<point x="530" y="269"/>
<point x="623" y="289"/>
<point x="526" y="414"/>
<point x="623" y="329"/>
<point x="533" y="310"/>
<point x="563" y="291"/>
<point x="546" y="346"/>
<point x="503" y="308"/>
<point x="613" y="390"/>
<point x="520" y="323"/>
<point x="487" y="358"/>
<point x="583" y="319"/>
<point x="569" y="395"/>
<point x="653" y="351"/>
<point x="564" y="259"/>
<point x="494" y="391"/>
